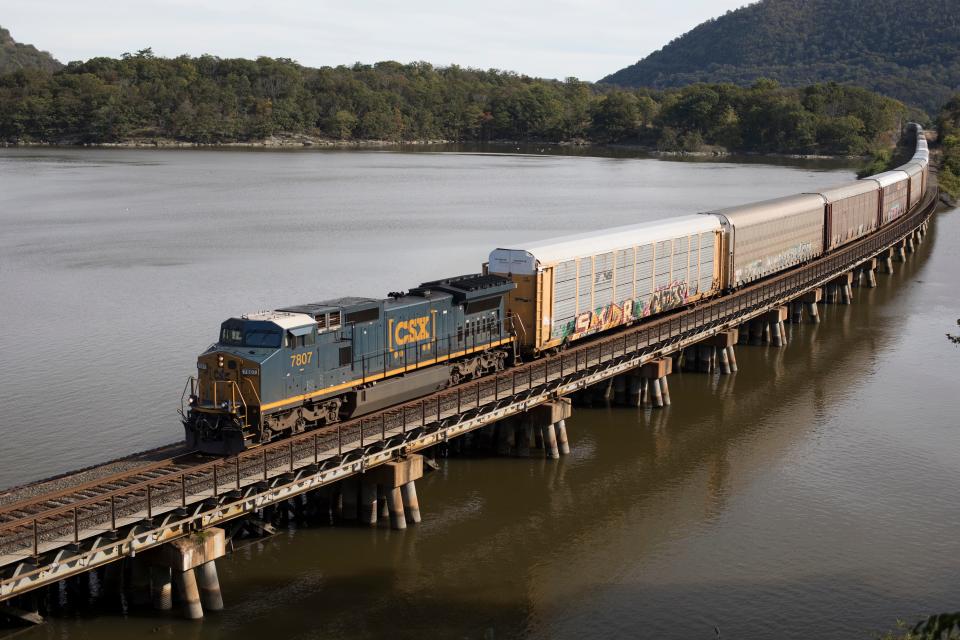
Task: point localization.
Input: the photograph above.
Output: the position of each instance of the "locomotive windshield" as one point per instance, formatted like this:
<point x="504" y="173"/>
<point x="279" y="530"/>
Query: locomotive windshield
<point x="250" y="335"/>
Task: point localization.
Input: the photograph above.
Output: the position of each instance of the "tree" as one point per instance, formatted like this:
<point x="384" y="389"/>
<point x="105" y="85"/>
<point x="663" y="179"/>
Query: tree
<point x="616" y="117"/>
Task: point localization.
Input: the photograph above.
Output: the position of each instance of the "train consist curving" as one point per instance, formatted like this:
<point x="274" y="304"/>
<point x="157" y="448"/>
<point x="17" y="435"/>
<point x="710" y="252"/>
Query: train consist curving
<point x="285" y="371"/>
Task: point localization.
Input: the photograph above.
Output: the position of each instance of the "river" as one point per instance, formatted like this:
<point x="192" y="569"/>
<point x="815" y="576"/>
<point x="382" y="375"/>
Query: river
<point x="813" y="494"/>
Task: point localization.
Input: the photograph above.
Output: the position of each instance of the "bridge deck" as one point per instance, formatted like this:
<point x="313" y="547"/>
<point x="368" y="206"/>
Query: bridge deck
<point x="40" y="544"/>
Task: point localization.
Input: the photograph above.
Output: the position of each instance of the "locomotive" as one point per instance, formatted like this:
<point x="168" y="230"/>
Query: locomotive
<point x="282" y="371"/>
<point x="279" y="372"/>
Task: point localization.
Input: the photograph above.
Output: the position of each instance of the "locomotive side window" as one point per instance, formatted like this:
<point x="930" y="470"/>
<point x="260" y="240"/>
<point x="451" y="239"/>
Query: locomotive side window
<point x="459" y="334"/>
<point x="346" y="356"/>
<point x="297" y="342"/>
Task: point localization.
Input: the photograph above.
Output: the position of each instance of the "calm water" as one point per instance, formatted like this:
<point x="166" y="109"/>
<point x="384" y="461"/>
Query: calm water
<point x="814" y="494"/>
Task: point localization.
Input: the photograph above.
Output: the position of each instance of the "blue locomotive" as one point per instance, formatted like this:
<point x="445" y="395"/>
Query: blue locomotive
<point x="284" y="371"/>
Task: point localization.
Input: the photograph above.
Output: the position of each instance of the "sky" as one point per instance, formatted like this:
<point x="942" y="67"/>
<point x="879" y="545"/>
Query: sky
<point x="587" y="39"/>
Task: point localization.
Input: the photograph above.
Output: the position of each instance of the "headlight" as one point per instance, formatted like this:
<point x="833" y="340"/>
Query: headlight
<point x="192" y="400"/>
<point x="220" y="361"/>
<point x="224" y="405"/>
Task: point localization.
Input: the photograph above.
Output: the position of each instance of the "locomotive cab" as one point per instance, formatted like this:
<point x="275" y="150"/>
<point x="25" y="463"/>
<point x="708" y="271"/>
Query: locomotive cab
<point x="224" y="401"/>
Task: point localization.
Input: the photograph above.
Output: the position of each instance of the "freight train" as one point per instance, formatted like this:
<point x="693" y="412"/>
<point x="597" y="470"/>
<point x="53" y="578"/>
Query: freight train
<point x="280" y="372"/>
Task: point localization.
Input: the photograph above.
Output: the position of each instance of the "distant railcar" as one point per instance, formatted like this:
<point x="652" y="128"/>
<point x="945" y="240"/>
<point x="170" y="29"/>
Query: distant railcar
<point x="850" y="212"/>
<point x="894" y="189"/>
<point x="576" y="286"/>
<point x="764" y="238"/>
<point x="915" y="185"/>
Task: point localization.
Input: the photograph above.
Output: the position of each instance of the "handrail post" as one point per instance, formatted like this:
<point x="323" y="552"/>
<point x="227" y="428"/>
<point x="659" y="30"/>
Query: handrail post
<point x="113" y="512"/>
<point x="76" y="523"/>
<point x="290" y="448"/>
<point x="183" y="492"/>
<point x="265" y="465"/>
<point x="149" y="503"/>
<point x="36" y="538"/>
<point x="237" y="460"/>
<point x="215" y="483"/>
<point x="316" y="449"/>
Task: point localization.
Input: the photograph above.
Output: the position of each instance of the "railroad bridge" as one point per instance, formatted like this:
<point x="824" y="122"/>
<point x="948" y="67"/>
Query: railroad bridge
<point x="168" y="521"/>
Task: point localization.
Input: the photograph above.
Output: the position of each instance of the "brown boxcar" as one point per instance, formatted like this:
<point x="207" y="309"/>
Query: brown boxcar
<point x="851" y="212"/>
<point x="894" y="187"/>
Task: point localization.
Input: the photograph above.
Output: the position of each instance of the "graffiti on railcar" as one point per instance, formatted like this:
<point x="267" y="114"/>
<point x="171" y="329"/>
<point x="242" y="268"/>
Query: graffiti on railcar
<point x="671" y="296"/>
<point x="773" y="263"/>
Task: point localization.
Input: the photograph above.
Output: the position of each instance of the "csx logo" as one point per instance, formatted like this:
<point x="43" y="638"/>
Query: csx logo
<point x="412" y="330"/>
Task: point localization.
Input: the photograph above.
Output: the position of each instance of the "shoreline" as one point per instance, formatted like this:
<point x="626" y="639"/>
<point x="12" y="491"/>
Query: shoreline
<point x="311" y="142"/>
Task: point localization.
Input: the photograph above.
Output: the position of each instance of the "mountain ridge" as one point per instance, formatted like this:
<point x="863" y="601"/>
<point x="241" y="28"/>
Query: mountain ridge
<point x="15" y="56"/>
<point x="914" y="56"/>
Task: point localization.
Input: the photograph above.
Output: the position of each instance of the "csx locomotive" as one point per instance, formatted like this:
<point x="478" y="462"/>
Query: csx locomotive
<point x="288" y="370"/>
<point x="283" y="371"/>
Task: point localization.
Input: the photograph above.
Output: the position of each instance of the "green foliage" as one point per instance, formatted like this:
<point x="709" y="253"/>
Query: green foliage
<point x="15" y="56"/>
<point x="948" y="127"/>
<point x="880" y="161"/>
<point x="943" y="626"/>
<point x="214" y="100"/>
<point x="909" y="52"/>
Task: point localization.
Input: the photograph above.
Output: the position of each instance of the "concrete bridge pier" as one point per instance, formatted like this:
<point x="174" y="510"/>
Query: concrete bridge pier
<point x="368" y="507"/>
<point x="840" y="289"/>
<point x="796" y="312"/>
<point x="161" y="588"/>
<point x="411" y="503"/>
<point x="722" y="345"/>
<point x="885" y="258"/>
<point x="655" y="373"/>
<point x="866" y="274"/>
<point x="397" y="480"/>
<point x="900" y="252"/>
<point x="603" y="391"/>
<point x="209" y="582"/>
<point x="771" y="324"/>
<point x="908" y="243"/>
<point x="192" y="561"/>
<point x="562" y="442"/>
<point x="549" y="419"/>
<point x="809" y="301"/>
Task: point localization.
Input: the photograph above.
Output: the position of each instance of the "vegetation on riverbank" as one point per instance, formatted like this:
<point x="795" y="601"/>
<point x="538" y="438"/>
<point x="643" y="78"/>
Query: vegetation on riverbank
<point x="943" y="626"/>
<point x="948" y="126"/>
<point x="212" y="100"/>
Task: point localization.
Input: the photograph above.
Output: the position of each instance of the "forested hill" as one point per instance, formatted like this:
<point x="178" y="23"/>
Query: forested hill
<point x="210" y="100"/>
<point x="14" y="55"/>
<point x="910" y="51"/>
